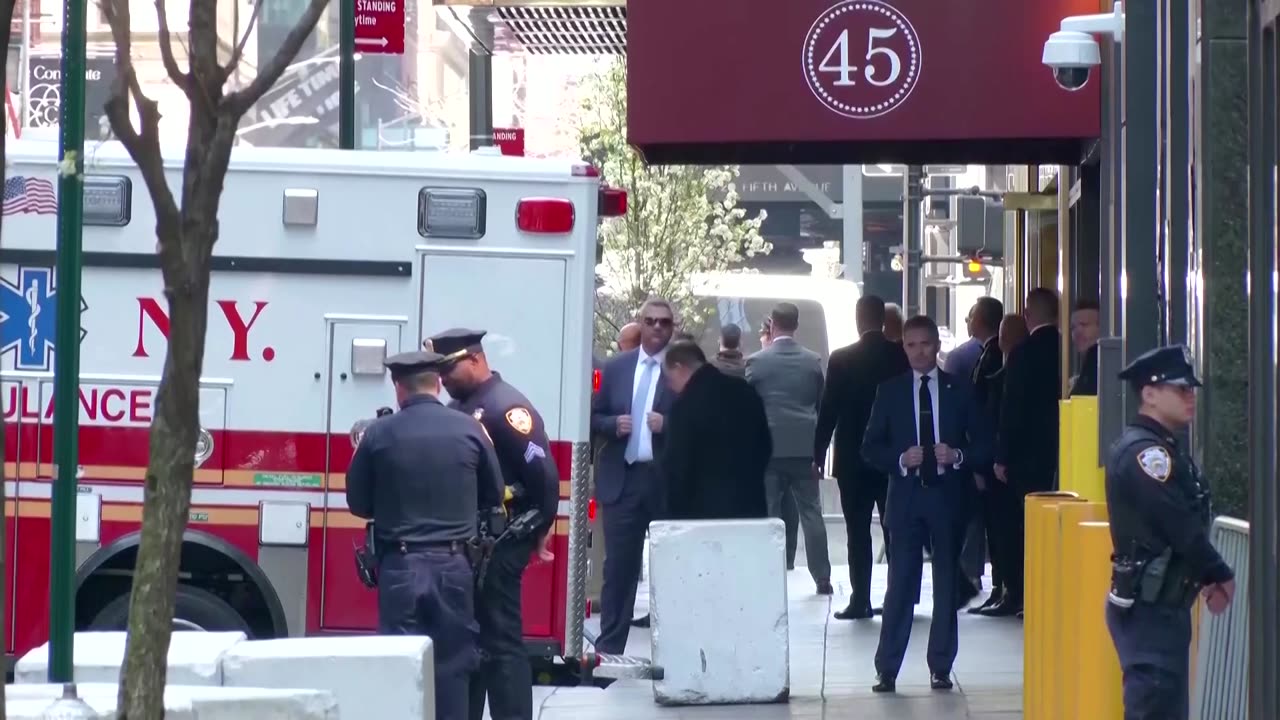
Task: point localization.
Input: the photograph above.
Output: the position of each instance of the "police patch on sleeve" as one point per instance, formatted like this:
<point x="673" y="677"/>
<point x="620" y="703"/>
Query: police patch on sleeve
<point x="521" y="420"/>
<point x="1155" y="462"/>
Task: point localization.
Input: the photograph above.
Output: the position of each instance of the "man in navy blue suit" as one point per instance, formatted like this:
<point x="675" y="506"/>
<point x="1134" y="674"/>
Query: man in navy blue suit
<point x="926" y="432"/>
<point x="629" y="413"/>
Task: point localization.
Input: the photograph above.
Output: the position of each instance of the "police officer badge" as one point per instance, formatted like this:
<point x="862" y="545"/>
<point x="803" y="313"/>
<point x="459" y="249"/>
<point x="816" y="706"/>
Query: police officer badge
<point x="1155" y="462"/>
<point x="521" y="420"/>
<point x="478" y="414"/>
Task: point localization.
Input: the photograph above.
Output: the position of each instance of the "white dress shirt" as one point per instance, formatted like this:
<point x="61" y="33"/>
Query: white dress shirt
<point x="641" y="424"/>
<point x="934" y="393"/>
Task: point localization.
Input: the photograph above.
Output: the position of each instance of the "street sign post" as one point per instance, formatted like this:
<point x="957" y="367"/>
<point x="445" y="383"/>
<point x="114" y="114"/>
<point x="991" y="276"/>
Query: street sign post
<point x="380" y="26"/>
<point x="66" y="361"/>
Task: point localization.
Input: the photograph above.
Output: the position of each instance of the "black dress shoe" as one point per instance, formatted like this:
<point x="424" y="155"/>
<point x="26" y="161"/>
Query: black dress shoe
<point x="852" y="613"/>
<point x="824" y="588"/>
<point x="877" y="611"/>
<point x="938" y="681"/>
<point x="1007" y="608"/>
<point x="640" y="622"/>
<point x="995" y="599"/>
<point x="966" y="594"/>
<point x="885" y="685"/>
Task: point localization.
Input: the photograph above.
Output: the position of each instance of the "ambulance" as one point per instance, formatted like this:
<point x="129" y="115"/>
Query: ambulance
<point x="328" y="262"/>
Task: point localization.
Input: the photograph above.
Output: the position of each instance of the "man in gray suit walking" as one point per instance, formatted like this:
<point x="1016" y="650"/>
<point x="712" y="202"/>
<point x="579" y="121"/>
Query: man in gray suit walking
<point x="788" y="377"/>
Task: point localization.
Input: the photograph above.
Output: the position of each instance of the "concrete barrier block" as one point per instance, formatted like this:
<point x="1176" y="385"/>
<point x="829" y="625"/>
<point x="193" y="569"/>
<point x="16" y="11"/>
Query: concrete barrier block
<point x="718" y="607"/>
<point x="184" y="702"/>
<point x="194" y="658"/>
<point x="370" y="676"/>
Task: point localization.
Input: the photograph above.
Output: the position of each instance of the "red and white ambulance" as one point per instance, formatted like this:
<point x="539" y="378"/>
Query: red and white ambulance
<point x="328" y="262"/>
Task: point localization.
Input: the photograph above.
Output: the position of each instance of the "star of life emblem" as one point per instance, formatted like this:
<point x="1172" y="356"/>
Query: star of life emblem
<point x="28" y="311"/>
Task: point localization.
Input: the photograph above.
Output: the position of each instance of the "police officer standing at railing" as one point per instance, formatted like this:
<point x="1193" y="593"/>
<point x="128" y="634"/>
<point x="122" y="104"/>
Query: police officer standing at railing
<point x="1163" y="559"/>
<point x="424" y="475"/>
<point x="534" y="488"/>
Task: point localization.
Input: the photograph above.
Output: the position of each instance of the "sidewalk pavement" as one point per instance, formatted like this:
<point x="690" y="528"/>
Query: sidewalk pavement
<point x="831" y="669"/>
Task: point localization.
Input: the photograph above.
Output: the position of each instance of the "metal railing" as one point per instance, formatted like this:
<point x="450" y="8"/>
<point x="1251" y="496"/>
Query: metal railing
<point x="1221" y="690"/>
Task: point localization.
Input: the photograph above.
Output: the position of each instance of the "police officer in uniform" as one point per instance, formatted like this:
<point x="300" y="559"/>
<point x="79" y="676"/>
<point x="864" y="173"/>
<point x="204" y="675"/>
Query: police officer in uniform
<point x="1159" y="528"/>
<point x="534" y="481"/>
<point x="424" y="475"/>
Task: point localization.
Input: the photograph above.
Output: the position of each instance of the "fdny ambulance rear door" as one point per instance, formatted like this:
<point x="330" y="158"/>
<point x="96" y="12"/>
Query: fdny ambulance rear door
<point x="358" y="384"/>
<point x="514" y="287"/>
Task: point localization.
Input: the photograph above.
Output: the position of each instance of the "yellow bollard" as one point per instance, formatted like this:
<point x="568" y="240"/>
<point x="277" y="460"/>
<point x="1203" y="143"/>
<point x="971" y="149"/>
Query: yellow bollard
<point x="1095" y="691"/>
<point x="1066" y="439"/>
<point x="1069" y="563"/>
<point x="1089" y="480"/>
<point x="1040" y="601"/>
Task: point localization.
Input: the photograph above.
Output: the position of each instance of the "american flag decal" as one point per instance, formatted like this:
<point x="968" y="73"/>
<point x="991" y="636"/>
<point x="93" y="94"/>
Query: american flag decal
<point x="24" y="195"/>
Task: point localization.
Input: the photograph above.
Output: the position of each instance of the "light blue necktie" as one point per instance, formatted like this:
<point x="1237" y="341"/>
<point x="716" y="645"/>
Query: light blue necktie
<point x="637" y="411"/>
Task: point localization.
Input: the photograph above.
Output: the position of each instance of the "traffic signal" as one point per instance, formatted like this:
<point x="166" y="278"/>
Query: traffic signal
<point x="975" y="269"/>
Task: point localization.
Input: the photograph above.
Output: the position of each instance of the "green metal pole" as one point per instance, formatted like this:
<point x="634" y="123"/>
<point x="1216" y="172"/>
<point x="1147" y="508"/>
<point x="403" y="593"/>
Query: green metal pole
<point x="347" y="76"/>
<point x="66" y="367"/>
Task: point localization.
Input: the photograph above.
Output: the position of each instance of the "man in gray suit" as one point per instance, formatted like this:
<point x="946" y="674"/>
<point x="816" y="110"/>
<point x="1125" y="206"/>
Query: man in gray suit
<point x="788" y="377"/>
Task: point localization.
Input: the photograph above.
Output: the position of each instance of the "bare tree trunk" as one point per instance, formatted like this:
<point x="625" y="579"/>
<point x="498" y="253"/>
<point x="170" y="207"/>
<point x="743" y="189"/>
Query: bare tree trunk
<point x="186" y="234"/>
<point x="6" y="17"/>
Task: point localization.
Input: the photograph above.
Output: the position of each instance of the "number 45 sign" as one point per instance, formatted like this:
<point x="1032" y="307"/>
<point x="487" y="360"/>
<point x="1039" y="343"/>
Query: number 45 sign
<point x="862" y="58"/>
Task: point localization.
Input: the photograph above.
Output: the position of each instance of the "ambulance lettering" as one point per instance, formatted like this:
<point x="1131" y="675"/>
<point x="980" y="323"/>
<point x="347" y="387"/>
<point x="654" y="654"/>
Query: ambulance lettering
<point x="129" y="406"/>
<point x="151" y="309"/>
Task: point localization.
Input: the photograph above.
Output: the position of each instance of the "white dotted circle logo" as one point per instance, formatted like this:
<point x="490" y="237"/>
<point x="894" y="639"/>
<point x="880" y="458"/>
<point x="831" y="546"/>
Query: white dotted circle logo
<point x="862" y="58"/>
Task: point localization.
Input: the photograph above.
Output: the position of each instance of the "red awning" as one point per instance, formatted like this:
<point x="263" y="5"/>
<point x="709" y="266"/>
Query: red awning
<point x="853" y="81"/>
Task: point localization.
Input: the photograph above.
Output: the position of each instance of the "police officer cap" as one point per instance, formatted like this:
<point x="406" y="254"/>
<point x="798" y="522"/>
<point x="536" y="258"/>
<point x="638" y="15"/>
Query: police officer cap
<point x="412" y="363"/>
<point x="456" y="344"/>
<point x="1169" y="365"/>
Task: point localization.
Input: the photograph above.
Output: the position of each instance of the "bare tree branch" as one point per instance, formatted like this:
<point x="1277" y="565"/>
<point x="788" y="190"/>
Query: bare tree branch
<point x="144" y="145"/>
<point x="238" y="102"/>
<point x="230" y="67"/>
<point x="181" y="79"/>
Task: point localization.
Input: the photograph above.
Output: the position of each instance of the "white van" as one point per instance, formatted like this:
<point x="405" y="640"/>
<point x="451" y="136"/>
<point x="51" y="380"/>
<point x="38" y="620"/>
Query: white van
<point x="745" y="299"/>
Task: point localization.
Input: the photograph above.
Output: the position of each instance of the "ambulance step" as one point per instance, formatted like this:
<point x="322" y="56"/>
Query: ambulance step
<point x="625" y="667"/>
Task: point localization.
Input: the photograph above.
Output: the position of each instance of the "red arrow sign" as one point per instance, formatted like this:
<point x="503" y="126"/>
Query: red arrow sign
<point x="380" y="27"/>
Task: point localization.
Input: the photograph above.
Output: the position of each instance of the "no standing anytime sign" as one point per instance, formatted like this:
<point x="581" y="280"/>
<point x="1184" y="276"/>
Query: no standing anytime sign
<point x="380" y="26"/>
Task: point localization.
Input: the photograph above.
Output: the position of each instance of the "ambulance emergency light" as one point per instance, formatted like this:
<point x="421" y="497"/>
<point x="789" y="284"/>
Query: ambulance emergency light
<point x="451" y="213"/>
<point x="107" y="200"/>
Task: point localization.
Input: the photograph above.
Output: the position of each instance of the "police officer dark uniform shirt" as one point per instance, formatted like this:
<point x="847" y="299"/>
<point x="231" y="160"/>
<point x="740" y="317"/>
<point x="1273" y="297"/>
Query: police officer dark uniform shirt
<point x="1162" y="558"/>
<point x="422" y="475"/>
<point x="534" y="481"/>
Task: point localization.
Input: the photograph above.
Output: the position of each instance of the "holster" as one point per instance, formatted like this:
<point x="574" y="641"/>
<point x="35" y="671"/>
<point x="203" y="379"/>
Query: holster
<point x="1165" y="582"/>
<point x="367" y="559"/>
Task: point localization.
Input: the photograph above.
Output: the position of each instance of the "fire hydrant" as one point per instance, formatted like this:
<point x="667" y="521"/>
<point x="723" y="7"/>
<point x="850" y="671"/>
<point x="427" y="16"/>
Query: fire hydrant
<point x="69" y="707"/>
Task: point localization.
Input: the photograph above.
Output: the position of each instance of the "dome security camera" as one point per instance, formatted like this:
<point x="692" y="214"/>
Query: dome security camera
<point x="1071" y="55"/>
<point x="1072" y="51"/>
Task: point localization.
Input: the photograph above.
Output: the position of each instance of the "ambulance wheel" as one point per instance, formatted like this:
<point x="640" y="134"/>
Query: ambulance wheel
<point x="193" y="609"/>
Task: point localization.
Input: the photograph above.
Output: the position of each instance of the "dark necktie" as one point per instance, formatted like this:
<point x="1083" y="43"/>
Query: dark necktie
<point x="928" y="468"/>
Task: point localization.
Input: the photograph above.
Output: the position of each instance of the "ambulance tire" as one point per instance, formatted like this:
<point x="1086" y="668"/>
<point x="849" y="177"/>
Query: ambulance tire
<point x="193" y="609"/>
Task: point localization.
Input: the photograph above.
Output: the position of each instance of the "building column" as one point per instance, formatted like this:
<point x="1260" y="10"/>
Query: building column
<point x="1142" y="289"/>
<point x="1220" y="252"/>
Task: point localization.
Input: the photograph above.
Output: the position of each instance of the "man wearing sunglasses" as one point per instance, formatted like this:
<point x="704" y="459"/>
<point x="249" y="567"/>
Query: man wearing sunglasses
<point x="628" y="414"/>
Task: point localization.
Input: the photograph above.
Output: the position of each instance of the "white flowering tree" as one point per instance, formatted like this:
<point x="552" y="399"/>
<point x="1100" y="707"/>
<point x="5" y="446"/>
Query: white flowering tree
<point x="681" y="219"/>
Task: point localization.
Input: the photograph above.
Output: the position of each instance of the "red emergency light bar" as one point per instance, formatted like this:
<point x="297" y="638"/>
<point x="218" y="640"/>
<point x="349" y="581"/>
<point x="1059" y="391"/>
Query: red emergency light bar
<point x="586" y="170"/>
<point x="545" y="216"/>
<point x="595" y="381"/>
